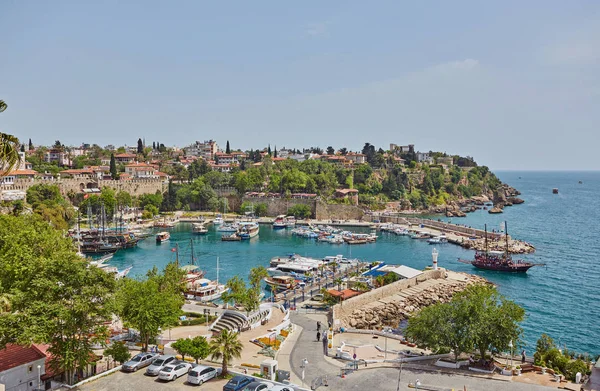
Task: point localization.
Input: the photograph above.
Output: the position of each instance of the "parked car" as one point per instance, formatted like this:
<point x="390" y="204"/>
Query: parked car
<point x="174" y="370"/>
<point x="281" y="388"/>
<point x="202" y="373"/>
<point x="237" y="383"/>
<point x="159" y="363"/>
<point x="139" y="361"/>
<point x="258" y="386"/>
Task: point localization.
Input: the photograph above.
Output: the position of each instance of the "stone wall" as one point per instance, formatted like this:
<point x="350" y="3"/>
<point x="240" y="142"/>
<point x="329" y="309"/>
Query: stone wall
<point x="134" y="187"/>
<point x="343" y="310"/>
<point x="280" y="206"/>
<point x="326" y="211"/>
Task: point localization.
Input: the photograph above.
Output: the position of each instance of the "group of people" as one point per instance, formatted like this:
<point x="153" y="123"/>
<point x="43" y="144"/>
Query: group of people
<point x="324" y="339"/>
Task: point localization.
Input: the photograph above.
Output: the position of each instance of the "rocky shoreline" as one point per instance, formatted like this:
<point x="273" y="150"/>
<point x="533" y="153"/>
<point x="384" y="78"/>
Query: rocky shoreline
<point x="504" y="196"/>
<point x="392" y="312"/>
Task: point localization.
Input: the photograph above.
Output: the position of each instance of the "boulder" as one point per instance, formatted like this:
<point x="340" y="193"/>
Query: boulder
<point x="495" y="209"/>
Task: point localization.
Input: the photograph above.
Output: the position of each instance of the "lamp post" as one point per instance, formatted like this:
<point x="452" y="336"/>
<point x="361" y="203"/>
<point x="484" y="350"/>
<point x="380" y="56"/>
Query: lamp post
<point x="303" y="366"/>
<point x="39" y="376"/>
<point x="510" y="345"/>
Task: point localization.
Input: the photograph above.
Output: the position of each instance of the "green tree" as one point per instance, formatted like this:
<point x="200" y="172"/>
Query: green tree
<point x="151" y="304"/>
<point x="140" y="146"/>
<point x="199" y="348"/>
<point x="225" y="347"/>
<point x="183" y="346"/>
<point x="330" y="150"/>
<point x="260" y="209"/>
<point x="300" y="211"/>
<point x="9" y="149"/>
<point x="227" y="149"/>
<point x="118" y="351"/>
<point x="257" y="274"/>
<point x="113" y="167"/>
<point x="47" y="202"/>
<point x="479" y="317"/>
<point x="55" y="298"/>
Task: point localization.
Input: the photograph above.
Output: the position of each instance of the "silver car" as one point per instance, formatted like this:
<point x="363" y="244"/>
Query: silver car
<point x="139" y="361"/>
<point x="202" y="373"/>
<point x="174" y="370"/>
<point x="159" y="363"/>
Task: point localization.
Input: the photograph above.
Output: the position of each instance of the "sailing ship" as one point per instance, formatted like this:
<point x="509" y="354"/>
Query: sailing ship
<point x="203" y="289"/>
<point x="499" y="260"/>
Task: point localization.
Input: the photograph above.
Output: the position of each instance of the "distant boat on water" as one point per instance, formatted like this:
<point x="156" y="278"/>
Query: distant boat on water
<point x="555" y="191"/>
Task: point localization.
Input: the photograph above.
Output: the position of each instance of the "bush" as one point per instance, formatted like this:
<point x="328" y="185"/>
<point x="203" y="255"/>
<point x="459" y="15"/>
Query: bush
<point x="301" y="211"/>
<point x="576" y="366"/>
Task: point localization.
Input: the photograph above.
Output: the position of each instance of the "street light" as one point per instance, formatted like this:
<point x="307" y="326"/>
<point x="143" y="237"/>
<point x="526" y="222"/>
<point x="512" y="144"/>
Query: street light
<point x="303" y="366"/>
<point x="39" y="376"/>
<point x="510" y="345"/>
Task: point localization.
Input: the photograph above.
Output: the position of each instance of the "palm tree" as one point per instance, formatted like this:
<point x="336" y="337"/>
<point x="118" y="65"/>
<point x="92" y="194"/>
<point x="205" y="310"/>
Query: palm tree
<point x="225" y="346"/>
<point x="9" y="149"/>
<point x="338" y="281"/>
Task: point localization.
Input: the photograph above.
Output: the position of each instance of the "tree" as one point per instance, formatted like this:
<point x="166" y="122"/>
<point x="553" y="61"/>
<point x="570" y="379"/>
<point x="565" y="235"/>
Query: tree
<point x="478" y="317"/>
<point x="199" y="348"/>
<point x="227" y="149"/>
<point x="269" y="149"/>
<point x="182" y="346"/>
<point x="118" y="351"/>
<point x="225" y="347"/>
<point x="257" y="274"/>
<point x="151" y="304"/>
<point x="9" y="153"/>
<point x="113" y="167"/>
<point x="330" y="150"/>
<point x="343" y="151"/>
<point x="56" y="298"/>
<point x="275" y="152"/>
<point x="30" y="145"/>
<point x="140" y="146"/>
<point x="338" y="281"/>
<point x="300" y="211"/>
<point x="47" y="202"/>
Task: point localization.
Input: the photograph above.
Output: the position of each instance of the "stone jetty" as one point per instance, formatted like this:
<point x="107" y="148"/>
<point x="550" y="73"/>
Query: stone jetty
<point x="388" y="305"/>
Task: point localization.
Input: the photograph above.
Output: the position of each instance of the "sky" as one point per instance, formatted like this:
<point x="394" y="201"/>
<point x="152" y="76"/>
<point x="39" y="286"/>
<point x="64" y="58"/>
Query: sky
<point x="515" y="84"/>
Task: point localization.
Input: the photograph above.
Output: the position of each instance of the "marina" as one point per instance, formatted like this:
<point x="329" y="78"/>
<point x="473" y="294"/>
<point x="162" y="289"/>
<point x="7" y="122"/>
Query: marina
<point x="565" y="259"/>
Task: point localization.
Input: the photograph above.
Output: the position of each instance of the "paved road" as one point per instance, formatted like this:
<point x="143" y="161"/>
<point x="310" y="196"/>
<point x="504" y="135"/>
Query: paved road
<point x="381" y="379"/>
<point x="137" y="381"/>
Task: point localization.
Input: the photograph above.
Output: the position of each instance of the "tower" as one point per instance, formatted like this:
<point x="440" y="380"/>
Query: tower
<point x="434" y="255"/>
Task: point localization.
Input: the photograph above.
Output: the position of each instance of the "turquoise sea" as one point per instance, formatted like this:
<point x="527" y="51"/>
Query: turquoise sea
<point x="561" y="299"/>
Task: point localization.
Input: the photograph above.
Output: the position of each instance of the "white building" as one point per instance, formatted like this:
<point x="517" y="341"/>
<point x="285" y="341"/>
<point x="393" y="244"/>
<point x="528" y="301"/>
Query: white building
<point x="206" y="149"/>
<point x="21" y="368"/>
<point x="424" y="157"/>
<point x="142" y="170"/>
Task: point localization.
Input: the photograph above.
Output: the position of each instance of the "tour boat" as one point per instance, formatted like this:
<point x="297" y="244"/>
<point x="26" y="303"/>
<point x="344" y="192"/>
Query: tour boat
<point x="499" y="260"/>
<point x="279" y="283"/>
<point x="248" y="230"/>
<point x="279" y="222"/>
<point x="205" y="290"/>
<point x="199" y="229"/>
<point x="162" y="237"/>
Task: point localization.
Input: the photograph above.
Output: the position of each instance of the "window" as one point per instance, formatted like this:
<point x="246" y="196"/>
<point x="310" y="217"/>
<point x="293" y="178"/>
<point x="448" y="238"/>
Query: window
<point x="30" y="369"/>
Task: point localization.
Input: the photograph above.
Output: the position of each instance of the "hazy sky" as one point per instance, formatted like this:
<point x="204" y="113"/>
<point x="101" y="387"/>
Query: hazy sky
<point x="516" y="84"/>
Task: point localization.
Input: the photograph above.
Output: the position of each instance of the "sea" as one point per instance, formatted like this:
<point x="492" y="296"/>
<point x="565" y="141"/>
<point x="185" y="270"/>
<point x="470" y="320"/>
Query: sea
<point x="561" y="299"/>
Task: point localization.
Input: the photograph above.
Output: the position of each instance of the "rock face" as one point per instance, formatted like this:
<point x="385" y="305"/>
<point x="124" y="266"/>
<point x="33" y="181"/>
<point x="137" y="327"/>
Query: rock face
<point x="495" y="209"/>
<point x="391" y="313"/>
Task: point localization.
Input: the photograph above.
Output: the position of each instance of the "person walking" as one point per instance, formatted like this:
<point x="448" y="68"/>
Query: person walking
<point x="325" y="345"/>
<point x="318" y="325"/>
<point x="523" y="357"/>
<point x="318" y="336"/>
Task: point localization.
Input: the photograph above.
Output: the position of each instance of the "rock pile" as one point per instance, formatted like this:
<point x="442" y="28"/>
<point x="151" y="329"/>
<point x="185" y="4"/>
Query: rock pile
<point x="514" y="246"/>
<point x="390" y="314"/>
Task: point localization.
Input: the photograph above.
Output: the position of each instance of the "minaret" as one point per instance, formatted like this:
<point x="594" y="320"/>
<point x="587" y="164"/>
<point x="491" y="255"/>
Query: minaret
<point x="434" y="255"/>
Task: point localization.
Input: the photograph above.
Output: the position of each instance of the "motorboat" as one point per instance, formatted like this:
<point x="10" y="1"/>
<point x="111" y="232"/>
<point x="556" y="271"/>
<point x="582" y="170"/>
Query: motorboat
<point x="205" y="290"/>
<point x="227" y="228"/>
<point x="218" y="220"/>
<point x="248" y="230"/>
<point x="162" y="237"/>
<point x="199" y="229"/>
<point x="279" y="222"/>
<point x="438" y="239"/>
<point x="290" y="222"/>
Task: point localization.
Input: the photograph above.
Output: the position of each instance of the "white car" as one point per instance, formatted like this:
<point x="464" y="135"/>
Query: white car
<point x="281" y="388"/>
<point x="202" y="373"/>
<point x="175" y="370"/>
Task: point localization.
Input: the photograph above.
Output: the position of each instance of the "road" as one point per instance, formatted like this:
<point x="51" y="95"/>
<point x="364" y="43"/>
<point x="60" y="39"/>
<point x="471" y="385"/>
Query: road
<point x="382" y="379"/>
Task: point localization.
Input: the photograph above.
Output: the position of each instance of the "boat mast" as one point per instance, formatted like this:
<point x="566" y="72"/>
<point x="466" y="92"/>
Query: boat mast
<point x="506" y="235"/>
<point x="192" y="250"/>
<point x="218" y="270"/>
<point x="486" y="242"/>
<point x="177" y="254"/>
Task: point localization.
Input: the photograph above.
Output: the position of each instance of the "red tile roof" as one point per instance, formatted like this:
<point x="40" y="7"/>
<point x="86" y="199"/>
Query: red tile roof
<point x="345" y="294"/>
<point x="75" y="172"/>
<point x="23" y="172"/>
<point x="15" y="355"/>
<point x="131" y="155"/>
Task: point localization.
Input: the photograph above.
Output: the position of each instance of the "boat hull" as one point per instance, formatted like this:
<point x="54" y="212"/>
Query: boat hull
<point x="518" y="268"/>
